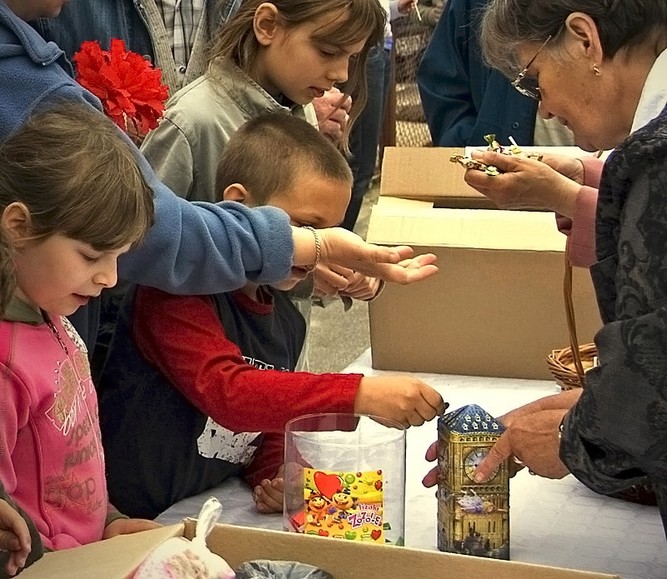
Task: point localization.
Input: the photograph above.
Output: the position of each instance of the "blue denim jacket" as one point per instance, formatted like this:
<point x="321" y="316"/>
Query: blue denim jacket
<point x="140" y="25"/>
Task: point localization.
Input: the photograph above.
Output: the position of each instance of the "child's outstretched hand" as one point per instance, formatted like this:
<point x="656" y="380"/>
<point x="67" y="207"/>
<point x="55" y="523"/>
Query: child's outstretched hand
<point x="14" y="537"/>
<point x="128" y="527"/>
<point x="268" y="494"/>
<point x="404" y="399"/>
<point x="339" y="246"/>
<point x="336" y="280"/>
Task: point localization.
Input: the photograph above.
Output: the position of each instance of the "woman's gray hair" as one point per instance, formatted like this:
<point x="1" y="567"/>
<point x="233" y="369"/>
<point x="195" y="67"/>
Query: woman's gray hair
<point x="507" y="24"/>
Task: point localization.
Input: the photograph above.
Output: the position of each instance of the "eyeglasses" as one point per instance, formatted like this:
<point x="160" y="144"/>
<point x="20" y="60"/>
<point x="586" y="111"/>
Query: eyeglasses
<point x="527" y="85"/>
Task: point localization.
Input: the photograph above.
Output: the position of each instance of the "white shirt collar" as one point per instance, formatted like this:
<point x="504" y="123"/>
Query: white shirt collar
<point x="654" y="94"/>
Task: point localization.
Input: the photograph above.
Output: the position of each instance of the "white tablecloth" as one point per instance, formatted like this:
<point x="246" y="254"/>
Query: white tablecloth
<point x="559" y="523"/>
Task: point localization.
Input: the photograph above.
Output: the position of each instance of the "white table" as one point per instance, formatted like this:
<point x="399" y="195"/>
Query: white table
<point x="559" y="523"/>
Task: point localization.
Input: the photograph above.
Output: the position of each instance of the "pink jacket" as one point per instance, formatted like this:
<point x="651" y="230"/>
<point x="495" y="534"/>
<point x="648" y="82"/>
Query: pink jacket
<point x="51" y="457"/>
<point x="581" y="228"/>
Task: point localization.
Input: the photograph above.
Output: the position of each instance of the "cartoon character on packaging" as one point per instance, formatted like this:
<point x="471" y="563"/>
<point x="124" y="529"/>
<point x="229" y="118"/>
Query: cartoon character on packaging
<point x="317" y="507"/>
<point x="343" y="502"/>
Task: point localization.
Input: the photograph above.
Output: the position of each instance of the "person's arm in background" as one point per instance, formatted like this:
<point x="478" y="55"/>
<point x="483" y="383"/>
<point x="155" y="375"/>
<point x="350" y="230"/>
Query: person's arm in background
<point x="463" y="100"/>
<point x="333" y="113"/>
<point x="430" y="11"/>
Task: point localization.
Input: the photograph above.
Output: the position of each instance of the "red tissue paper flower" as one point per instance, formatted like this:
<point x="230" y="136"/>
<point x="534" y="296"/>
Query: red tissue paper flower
<point x="130" y="87"/>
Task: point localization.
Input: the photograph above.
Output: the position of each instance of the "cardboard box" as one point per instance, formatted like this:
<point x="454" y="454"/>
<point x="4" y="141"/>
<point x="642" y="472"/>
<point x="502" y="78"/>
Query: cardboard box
<point x="427" y="174"/>
<point x="117" y="558"/>
<point x="495" y="308"/>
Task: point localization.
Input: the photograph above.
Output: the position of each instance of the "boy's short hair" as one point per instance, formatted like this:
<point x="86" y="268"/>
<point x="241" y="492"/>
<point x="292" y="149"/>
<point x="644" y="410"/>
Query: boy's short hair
<point x="268" y="152"/>
<point x="78" y="176"/>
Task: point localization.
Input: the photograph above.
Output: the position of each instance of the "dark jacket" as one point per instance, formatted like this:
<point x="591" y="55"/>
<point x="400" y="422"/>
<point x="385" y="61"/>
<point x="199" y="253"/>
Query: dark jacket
<point x="464" y="100"/>
<point x="617" y="432"/>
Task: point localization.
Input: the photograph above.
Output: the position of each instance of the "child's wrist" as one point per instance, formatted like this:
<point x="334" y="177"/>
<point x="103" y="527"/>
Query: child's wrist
<point x="318" y="247"/>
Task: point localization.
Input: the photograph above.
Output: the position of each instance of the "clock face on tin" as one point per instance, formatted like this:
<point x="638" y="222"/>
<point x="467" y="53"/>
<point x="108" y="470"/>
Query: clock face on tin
<point x="472" y="459"/>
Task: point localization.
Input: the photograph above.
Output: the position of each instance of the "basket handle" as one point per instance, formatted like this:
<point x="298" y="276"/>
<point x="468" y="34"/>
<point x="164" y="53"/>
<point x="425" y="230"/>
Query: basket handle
<point x="571" y="323"/>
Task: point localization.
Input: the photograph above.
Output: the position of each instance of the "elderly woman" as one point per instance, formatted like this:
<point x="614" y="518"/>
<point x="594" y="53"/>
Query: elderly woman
<point x="599" y="66"/>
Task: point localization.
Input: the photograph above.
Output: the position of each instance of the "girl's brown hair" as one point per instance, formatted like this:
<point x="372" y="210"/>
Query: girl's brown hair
<point x="77" y="175"/>
<point x="7" y="272"/>
<point x="364" y="20"/>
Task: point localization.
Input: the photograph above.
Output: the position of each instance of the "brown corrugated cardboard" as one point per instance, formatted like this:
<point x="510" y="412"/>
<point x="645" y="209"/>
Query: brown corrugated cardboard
<point x="496" y="307"/>
<point x="426" y="173"/>
<point x="118" y="557"/>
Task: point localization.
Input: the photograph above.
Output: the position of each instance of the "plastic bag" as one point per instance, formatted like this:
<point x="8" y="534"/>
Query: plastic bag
<point x="180" y="558"/>
<point x="279" y="570"/>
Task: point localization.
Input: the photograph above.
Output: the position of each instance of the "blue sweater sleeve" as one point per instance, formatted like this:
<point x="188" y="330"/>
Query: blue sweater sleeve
<point x="203" y="248"/>
<point x="192" y="248"/>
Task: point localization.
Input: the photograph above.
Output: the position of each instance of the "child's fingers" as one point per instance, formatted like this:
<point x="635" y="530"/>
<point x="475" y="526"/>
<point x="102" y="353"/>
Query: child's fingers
<point x="13" y="527"/>
<point x="15" y="562"/>
<point x="267" y="498"/>
<point x="270" y="506"/>
<point x="9" y="541"/>
<point x="273" y="493"/>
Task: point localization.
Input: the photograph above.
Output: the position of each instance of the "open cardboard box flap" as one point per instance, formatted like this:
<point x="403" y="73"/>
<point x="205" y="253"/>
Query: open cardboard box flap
<point x="419" y="223"/>
<point x="426" y="173"/>
<point x="117" y="558"/>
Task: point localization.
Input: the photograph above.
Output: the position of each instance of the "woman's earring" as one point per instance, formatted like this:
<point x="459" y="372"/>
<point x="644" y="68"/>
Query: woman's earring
<point x="596" y="70"/>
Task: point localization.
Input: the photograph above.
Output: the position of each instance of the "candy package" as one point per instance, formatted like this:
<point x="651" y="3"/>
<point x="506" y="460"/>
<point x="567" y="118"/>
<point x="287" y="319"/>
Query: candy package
<point x="493" y="145"/>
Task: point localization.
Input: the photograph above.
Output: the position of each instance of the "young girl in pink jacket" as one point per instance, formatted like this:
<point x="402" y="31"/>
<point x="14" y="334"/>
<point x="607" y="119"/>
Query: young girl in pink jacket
<point x="72" y="199"/>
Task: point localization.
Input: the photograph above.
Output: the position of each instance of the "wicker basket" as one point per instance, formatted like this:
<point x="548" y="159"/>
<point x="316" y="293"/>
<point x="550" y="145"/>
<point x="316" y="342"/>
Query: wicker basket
<point x="569" y="365"/>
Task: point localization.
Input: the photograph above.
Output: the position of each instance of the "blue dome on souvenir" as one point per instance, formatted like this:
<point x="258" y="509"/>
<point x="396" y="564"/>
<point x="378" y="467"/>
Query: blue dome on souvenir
<point x="471" y="418"/>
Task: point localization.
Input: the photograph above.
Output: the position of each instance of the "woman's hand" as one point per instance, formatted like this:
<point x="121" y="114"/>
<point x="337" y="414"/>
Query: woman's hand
<point x="532" y="440"/>
<point x="531" y="437"/>
<point x="563" y="401"/>
<point x="431" y="478"/>
<point x="526" y="183"/>
<point x="518" y="423"/>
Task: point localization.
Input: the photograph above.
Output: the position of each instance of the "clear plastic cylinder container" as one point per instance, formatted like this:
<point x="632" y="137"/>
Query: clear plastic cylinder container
<point x="345" y="477"/>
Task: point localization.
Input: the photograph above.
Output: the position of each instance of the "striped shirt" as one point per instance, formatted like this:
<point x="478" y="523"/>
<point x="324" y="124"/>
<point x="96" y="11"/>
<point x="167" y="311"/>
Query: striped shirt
<point x="181" y="18"/>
